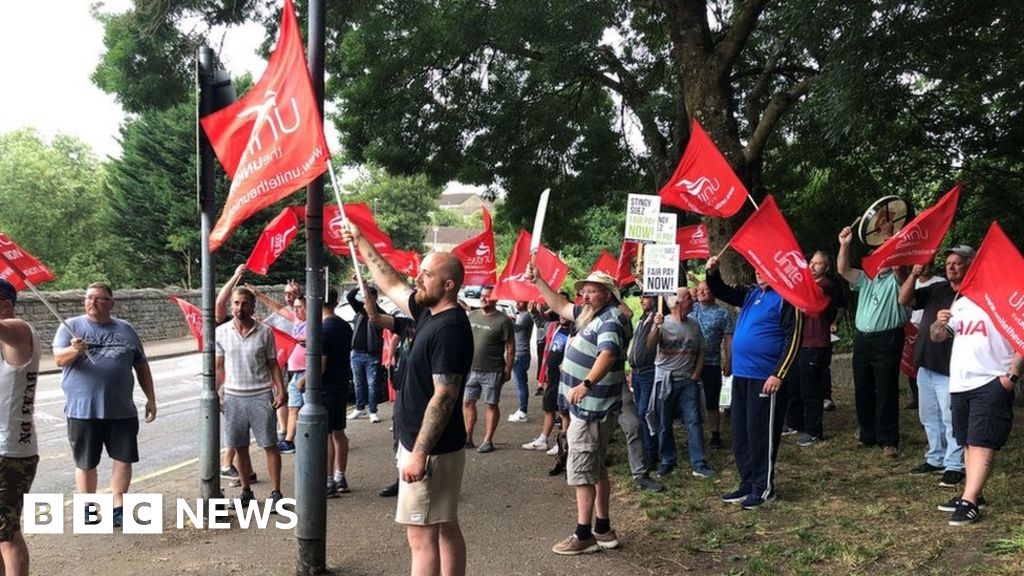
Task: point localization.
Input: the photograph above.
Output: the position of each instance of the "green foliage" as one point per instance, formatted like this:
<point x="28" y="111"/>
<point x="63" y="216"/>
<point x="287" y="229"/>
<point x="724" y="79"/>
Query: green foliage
<point x="402" y="205"/>
<point x="54" y="207"/>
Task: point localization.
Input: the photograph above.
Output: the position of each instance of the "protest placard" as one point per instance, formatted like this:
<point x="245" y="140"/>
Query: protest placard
<point x="661" y="269"/>
<point x="666" y="232"/>
<point x="642" y="217"/>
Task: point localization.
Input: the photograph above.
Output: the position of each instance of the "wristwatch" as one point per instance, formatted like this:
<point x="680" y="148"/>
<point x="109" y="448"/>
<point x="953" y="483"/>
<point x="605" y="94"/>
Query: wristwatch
<point x="588" y="384"/>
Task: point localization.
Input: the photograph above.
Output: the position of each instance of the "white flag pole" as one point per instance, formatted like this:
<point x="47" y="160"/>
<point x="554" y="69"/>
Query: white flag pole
<point x="341" y="209"/>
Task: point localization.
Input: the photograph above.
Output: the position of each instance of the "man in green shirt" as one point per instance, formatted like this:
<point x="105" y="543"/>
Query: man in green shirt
<point x="493" y="351"/>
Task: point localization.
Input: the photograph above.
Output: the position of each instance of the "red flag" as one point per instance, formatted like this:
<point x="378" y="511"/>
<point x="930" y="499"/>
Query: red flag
<point x="512" y="284"/>
<point x="193" y="317"/>
<point x="766" y="241"/>
<point x="477" y="256"/>
<point x="994" y="282"/>
<point x="404" y="261"/>
<point x="271" y="141"/>
<point x="704" y="182"/>
<point x="360" y="215"/>
<point x="275" y="238"/>
<point x="17" y="265"/>
<point x="285" y="343"/>
<point x="605" y="263"/>
<point x="624" y="269"/>
<point x="917" y="242"/>
<point x="693" y="242"/>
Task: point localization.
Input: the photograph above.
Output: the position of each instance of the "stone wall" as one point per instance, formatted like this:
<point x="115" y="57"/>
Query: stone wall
<point x="150" y="311"/>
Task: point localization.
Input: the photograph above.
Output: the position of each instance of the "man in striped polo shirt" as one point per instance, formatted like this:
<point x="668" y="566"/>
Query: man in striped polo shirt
<point x="591" y="390"/>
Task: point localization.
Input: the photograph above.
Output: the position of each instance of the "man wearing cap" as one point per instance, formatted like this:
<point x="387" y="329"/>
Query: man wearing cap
<point x="877" y="347"/>
<point x="983" y="373"/>
<point x="98" y="387"/>
<point x="19" y="366"/>
<point x="764" y="349"/>
<point x="932" y="359"/>
<point x="591" y="389"/>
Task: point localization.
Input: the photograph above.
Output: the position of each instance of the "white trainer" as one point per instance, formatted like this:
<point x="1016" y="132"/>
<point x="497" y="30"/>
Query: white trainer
<point x="539" y="443"/>
<point x="517" y="416"/>
<point x="356" y="413"/>
<point x="553" y="451"/>
<point x="374" y="418"/>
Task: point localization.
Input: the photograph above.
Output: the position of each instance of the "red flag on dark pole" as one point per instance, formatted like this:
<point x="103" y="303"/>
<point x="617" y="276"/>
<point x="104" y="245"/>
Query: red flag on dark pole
<point x="917" y="242"/>
<point x="624" y="268"/>
<point x="693" y="242"/>
<point x="193" y="317"/>
<point x="512" y="283"/>
<point x="17" y="265"/>
<point x="360" y="215"/>
<point x="995" y="282"/>
<point x="704" y="182"/>
<point x="273" y="241"/>
<point x="285" y="343"/>
<point x="767" y="242"/>
<point x="271" y="141"/>
<point x="477" y="256"/>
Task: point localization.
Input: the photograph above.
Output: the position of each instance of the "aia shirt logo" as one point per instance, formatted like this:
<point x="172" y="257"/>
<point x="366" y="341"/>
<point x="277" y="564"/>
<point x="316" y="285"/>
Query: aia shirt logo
<point x="971" y="328"/>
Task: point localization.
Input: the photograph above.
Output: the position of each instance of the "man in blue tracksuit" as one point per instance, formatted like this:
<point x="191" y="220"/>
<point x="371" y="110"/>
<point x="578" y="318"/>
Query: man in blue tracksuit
<point x="764" y="348"/>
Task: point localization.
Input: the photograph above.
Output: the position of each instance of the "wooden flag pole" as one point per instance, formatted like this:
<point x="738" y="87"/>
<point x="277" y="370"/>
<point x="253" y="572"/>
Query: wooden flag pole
<point x="56" y="315"/>
<point x="341" y="208"/>
<point x="722" y="251"/>
<point x="751" y="198"/>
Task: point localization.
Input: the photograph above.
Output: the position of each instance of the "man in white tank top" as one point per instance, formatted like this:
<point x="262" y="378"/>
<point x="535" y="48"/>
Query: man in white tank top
<point x="19" y="366"/>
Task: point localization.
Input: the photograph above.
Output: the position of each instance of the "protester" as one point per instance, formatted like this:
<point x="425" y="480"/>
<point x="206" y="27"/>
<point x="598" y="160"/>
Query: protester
<point x="815" y="359"/>
<point x="678" y="366"/>
<point x="98" y="386"/>
<point x="430" y="425"/>
<point x="911" y="331"/>
<point x="542" y="321"/>
<point x="764" y="349"/>
<point x="984" y="370"/>
<point x="551" y="361"/>
<point x="629" y="420"/>
<point x="493" y="353"/>
<point x="876" y="350"/>
<point x="521" y="365"/>
<point x="591" y="388"/>
<point x="367" y="344"/>
<point x="933" y="359"/>
<point x="250" y="387"/>
<point x="19" y="450"/>
<point x="717" y="327"/>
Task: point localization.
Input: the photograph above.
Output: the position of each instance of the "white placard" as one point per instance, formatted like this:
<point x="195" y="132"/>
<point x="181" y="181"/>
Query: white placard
<point x="642" y="217"/>
<point x="666" y="233"/>
<point x="661" y="268"/>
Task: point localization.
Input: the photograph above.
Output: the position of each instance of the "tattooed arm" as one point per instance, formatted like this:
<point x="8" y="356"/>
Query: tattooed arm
<point x="435" y="418"/>
<point x="388" y="280"/>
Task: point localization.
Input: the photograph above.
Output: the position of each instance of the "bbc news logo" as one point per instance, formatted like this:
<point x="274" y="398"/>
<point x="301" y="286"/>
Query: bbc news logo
<point x="144" y="514"/>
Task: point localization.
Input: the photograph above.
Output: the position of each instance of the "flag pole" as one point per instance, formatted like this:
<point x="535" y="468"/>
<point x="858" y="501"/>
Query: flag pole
<point x="341" y="208"/>
<point x="722" y="251"/>
<point x="56" y="314"/>
<point x="751" y="198"/>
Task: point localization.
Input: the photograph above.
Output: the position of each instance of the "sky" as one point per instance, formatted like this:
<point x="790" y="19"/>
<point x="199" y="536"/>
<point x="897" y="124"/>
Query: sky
<point x="50" y="49"/>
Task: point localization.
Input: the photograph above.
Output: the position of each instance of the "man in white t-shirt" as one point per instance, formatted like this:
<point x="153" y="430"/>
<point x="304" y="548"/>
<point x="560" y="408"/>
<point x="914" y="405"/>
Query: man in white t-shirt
<point x="983" y="371"/>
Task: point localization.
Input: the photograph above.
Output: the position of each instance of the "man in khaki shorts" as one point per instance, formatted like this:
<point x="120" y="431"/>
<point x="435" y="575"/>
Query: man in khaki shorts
<point x="591" y="390"/>
<point x="493" y="352"/>
<point x="430" y="426"/>
<point x="19" y="455"/>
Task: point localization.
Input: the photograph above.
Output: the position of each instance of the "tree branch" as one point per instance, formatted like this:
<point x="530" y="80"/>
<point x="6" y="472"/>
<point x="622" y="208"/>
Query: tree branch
<point x="743" y="22"/>
<point x="780" y="103"/>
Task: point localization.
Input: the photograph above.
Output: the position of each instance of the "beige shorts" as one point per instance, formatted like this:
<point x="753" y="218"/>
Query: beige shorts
<point x="435" y="499"/>
<point x="588" y="448"/>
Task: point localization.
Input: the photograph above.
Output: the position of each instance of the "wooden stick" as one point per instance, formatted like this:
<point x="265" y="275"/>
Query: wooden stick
<point x="855" y="222"/>
<point x="751" y="198"/>
<point x="722" y="251"/>
<point x="56" y="314"/>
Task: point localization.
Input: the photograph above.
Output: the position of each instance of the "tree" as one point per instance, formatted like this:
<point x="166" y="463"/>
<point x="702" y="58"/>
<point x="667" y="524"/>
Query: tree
<point x="54" y="207"/>
<point x="402" y="205"/>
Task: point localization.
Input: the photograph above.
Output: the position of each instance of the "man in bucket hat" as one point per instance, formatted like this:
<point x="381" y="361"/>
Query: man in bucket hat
<point x="591" y="390"/>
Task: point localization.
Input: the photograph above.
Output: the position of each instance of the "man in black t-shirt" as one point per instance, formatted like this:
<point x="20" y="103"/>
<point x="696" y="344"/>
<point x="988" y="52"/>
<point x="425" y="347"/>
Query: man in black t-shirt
<point x="430" y="426"/>
<point x="336" y="336"/>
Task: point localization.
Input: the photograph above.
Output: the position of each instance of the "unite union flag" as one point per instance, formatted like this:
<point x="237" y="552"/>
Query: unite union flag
<point x="704" y="182"/>
<point x="512" y="284"/>
<point x="477" y="256"/>
<point x="271" y="141"/>
<point x="917" y="242"/>
<point x="17" y="265"/>
<point x="995" y="282"/>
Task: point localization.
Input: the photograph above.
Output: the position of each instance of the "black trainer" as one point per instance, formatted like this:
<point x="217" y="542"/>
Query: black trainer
<point x="951" y="478"/>
<point x="738" y="495"/>
<point x="951" y="504"/>
<point x="965" y="513"/>
<point x="925" y="468"/>
<point x="245" y="497"/>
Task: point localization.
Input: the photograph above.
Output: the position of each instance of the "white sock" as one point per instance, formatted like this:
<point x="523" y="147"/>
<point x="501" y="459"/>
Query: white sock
<point x="338" y="475"/>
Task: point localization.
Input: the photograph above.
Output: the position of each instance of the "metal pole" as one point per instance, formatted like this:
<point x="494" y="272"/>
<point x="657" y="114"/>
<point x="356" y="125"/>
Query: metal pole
<point x="311" y="428"/>
<point x="209" y="404"/>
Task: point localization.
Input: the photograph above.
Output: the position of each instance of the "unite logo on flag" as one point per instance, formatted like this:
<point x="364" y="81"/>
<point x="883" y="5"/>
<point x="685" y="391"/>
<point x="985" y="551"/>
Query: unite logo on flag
<point x="704" y="182"/>
<point x="703" y="188"/>
<point x="792" y="266"/>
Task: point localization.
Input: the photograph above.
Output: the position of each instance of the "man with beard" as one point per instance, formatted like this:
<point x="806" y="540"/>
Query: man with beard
<point x="493" y="350"/>
<point x="431" y="429"/>
<point x="250" y="387"/>
<point x="764" y="350"/>
<point x="932" y="359"/>
<point x="591" y="389"/>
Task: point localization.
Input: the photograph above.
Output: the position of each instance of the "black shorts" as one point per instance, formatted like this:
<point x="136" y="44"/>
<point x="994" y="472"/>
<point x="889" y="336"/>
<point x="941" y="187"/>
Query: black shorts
<point x="89" y="436"/>
<point x="549" y="402"/>
<point x="982" y="417"/>
<point x="711" y="380"/>
<point x="335" y="403"/>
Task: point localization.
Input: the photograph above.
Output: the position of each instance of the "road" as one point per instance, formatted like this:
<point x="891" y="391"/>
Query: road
<point x="169" y="440"/>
